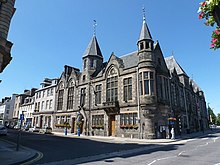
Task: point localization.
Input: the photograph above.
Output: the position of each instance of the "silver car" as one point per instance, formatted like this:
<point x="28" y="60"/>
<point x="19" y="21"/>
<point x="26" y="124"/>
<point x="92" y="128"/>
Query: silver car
<point x="3" y="130"/>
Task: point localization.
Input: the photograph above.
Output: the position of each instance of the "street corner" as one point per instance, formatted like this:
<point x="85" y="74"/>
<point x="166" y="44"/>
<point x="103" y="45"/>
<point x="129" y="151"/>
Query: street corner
<point x="10" y="155"/>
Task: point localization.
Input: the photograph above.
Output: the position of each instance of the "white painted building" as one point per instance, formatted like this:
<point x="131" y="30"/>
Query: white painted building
<point x="6" y="110"/>
<point x="27" y="108"/>
<point x="24" y="103"/>
<point x="44" y="104"/>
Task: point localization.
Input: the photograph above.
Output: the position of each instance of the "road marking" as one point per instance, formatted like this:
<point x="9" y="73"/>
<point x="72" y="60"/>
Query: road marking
<point x="202" y="145"/>
<point x="39" y="156"/>
<point x="152" y="162"/>
<point x="181" y="153"/>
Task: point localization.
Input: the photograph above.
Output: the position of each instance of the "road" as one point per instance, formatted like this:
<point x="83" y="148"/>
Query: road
<point x="63" y="150"/>
<point x="55" y="148"/>
<point x="198" y="151"/>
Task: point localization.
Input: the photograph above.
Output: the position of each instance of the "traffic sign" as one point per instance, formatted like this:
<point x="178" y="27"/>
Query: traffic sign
<point x="21" y="116"/>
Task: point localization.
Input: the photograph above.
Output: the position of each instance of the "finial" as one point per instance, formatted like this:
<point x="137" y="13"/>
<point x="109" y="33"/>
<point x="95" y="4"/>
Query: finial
<point x="94" y="27"/>
<point x="172" y="53"/>
<point x="143" y="10"/>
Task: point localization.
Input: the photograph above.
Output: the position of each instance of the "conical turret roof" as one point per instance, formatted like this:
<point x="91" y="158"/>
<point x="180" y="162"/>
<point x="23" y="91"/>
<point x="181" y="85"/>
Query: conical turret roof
<point x="145" y="33"/>
<point x="93" y="48"/>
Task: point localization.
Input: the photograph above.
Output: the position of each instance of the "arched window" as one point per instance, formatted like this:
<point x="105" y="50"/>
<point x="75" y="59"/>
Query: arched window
<point x="70" y="96"/>
<point x="112" y="86"/>
<point x="60" y="96"/>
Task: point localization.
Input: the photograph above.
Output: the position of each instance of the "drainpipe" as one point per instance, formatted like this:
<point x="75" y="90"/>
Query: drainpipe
<point x="88" y="126"/>
<point x="138" y="106"/>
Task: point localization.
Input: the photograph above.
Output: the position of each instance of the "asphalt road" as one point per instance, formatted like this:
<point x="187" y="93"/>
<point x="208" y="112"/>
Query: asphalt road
<point x="55" y="148"/>
<point x="198" y="151"/>
<point x="201" y="151"/>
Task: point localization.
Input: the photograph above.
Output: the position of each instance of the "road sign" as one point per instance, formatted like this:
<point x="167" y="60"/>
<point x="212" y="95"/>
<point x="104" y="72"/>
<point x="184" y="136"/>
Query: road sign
<point x="172" y="122"/>
<point x="21" y="116"/>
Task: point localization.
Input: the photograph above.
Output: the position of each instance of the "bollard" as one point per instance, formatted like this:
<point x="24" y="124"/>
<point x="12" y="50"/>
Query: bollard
<point x="65" y="130"/>
<point x="78" y="131"/>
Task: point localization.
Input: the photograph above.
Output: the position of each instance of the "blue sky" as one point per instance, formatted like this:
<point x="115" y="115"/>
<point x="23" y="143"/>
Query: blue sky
<point x="48" y="34"/>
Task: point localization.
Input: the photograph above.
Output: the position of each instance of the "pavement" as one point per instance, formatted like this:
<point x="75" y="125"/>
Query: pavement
<point x="25" y="156"/>
<point x="9" y="155"/>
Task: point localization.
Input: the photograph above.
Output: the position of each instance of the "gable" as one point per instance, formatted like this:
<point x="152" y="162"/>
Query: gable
<point x="161" y="66"/>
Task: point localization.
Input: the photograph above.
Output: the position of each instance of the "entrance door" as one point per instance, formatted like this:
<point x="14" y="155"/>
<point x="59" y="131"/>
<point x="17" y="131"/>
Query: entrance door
<point x="73" y="125"/>
<point x="112" y="125"/>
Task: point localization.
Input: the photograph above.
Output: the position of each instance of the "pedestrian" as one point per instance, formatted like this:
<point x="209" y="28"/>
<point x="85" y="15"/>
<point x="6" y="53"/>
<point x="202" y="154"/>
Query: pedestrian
<point x="172" y="134"/>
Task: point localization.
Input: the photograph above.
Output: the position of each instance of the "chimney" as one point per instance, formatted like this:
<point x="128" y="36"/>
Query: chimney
<point x="67" y="70"/>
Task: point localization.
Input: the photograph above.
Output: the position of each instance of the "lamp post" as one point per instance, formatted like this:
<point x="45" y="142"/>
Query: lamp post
<point x="19" y="133"/>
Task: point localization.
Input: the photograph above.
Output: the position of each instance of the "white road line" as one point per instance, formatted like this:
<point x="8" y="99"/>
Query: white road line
<point x="152" y="162"/>
<point x="202" y="145"/>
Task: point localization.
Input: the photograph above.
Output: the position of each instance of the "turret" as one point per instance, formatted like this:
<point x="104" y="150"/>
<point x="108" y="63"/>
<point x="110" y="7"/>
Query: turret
<point x="145" y="46"/>
<point x="92" y="58"/>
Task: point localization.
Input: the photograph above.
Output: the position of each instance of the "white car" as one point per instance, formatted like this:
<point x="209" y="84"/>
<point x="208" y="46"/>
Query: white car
<point x="34" y="129"/>
<point x="3" y="130"/>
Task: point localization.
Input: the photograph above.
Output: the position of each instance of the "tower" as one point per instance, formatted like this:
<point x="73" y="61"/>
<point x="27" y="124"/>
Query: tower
<point x="6" y="13"/>
<point x="92" y="58"/>
<point x="145" y="46"/>
<point x="146" y="78"/>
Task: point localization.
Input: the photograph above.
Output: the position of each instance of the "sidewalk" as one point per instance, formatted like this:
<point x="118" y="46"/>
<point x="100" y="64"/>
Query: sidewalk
<point x="111" y="139"/>
<point x="9" y="155"/>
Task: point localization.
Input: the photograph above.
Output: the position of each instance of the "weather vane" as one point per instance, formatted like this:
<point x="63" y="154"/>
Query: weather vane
<point x="143" y="10"/>
<point x="94" y="27"/>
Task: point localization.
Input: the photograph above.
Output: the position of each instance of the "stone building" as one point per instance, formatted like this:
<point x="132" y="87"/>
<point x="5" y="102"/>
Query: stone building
<point x="137" y="95"/>
<point x="188" y="103"/>
<point x="6" y="13"/>
<point x="44" y="104"/>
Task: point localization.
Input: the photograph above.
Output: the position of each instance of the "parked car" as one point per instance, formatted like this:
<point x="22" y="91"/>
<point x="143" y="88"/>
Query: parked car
<point x="17" y="126"/>
<point x="25" y="128"/>
<point x="3" y="130"/>
<point x="34" y="129"/>
<point x="212" y="126"/>
<point x="46" y="130"/>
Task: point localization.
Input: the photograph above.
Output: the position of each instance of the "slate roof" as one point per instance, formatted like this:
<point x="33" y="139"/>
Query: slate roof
<point x="195" y="86"/>
<point x="130" y="60"/>
<point x="145" y="32"/>
<point x="172" y="63"/>
<point x="93" y="48"/>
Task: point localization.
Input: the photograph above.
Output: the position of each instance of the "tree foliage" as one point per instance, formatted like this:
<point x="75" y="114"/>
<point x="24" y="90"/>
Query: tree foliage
<point x="218" y="119"/>
<point x="212" y="116"/>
